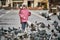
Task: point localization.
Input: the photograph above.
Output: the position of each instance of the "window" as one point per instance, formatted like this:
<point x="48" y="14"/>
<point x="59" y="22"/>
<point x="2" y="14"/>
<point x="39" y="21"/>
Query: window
<point x="39" y="4"/>
<point x="3" y="2"/>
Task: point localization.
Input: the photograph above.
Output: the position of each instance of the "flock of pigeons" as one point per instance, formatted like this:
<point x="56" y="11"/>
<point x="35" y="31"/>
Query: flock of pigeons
<point x="38" y="31"/>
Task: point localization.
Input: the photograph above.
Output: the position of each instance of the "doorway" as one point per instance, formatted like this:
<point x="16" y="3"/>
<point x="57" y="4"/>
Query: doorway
<point x="17" y="4"/>
<point x="30" y="4"/>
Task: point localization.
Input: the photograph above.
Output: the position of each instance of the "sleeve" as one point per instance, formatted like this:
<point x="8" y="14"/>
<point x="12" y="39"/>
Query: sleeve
<point x="29" y="13"/>
<point x="20" y="14"/>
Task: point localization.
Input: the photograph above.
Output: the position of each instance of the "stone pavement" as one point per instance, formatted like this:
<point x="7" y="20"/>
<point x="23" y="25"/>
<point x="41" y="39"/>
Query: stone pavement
<point x="11" y="19"/>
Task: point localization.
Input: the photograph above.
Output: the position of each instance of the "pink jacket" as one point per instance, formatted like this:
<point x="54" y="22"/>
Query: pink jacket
<point x="24" y="14"/>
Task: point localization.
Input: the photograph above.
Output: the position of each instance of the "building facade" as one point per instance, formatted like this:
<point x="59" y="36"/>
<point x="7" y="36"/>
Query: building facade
<point x="37" y="3"/>
<point x="29" y="3"/>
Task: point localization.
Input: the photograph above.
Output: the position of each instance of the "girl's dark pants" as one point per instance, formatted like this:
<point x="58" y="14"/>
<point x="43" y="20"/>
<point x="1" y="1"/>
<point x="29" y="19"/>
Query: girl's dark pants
<point x="24" y="24"/>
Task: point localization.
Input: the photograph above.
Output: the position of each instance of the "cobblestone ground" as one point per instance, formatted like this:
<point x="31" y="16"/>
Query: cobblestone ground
<point x="10" y="18"/>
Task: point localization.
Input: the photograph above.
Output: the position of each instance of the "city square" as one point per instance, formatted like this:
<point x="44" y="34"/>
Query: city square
<point x="10" y="18"/>
<point x="43" y="22"/>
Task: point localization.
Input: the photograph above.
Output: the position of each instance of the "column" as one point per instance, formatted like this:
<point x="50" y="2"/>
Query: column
<point x="7" y="2"/>
<point x="32" y="4"/>
<point x="17" y="5"/>
<point x="35" y="3"/>
<point x="25" y="2"/>
<point x="11" y="3"/>
<point x="47" y="4"/>
<point x="0" y="3"/>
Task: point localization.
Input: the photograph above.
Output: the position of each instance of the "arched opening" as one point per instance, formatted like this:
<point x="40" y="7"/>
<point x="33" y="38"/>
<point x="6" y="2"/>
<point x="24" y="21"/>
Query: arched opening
<point x="3" y="2"/>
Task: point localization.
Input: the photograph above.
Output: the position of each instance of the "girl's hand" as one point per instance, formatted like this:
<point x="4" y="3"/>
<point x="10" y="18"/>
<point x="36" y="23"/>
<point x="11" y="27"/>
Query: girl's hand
<point x="29" y="13"/>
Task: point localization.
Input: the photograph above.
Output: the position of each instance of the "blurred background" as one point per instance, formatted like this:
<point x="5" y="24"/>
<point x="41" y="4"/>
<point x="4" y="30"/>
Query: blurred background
<point x="32" y="4"/>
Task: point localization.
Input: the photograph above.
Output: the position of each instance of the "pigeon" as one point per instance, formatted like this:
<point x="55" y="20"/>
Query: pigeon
<point x="55" y="23"/>
<point x="33" y="27"/>
<point x="48" y="26"/>
<point x="48" y="18"/>
<point x="58" y="16"/>
<point x="42" y="25"/>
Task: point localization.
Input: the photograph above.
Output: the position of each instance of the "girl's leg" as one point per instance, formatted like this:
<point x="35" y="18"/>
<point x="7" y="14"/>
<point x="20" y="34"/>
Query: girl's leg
<point x="24" y="25"/>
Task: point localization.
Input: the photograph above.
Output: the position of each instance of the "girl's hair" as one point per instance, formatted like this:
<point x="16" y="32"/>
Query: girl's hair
<point x="24" y="6"/>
